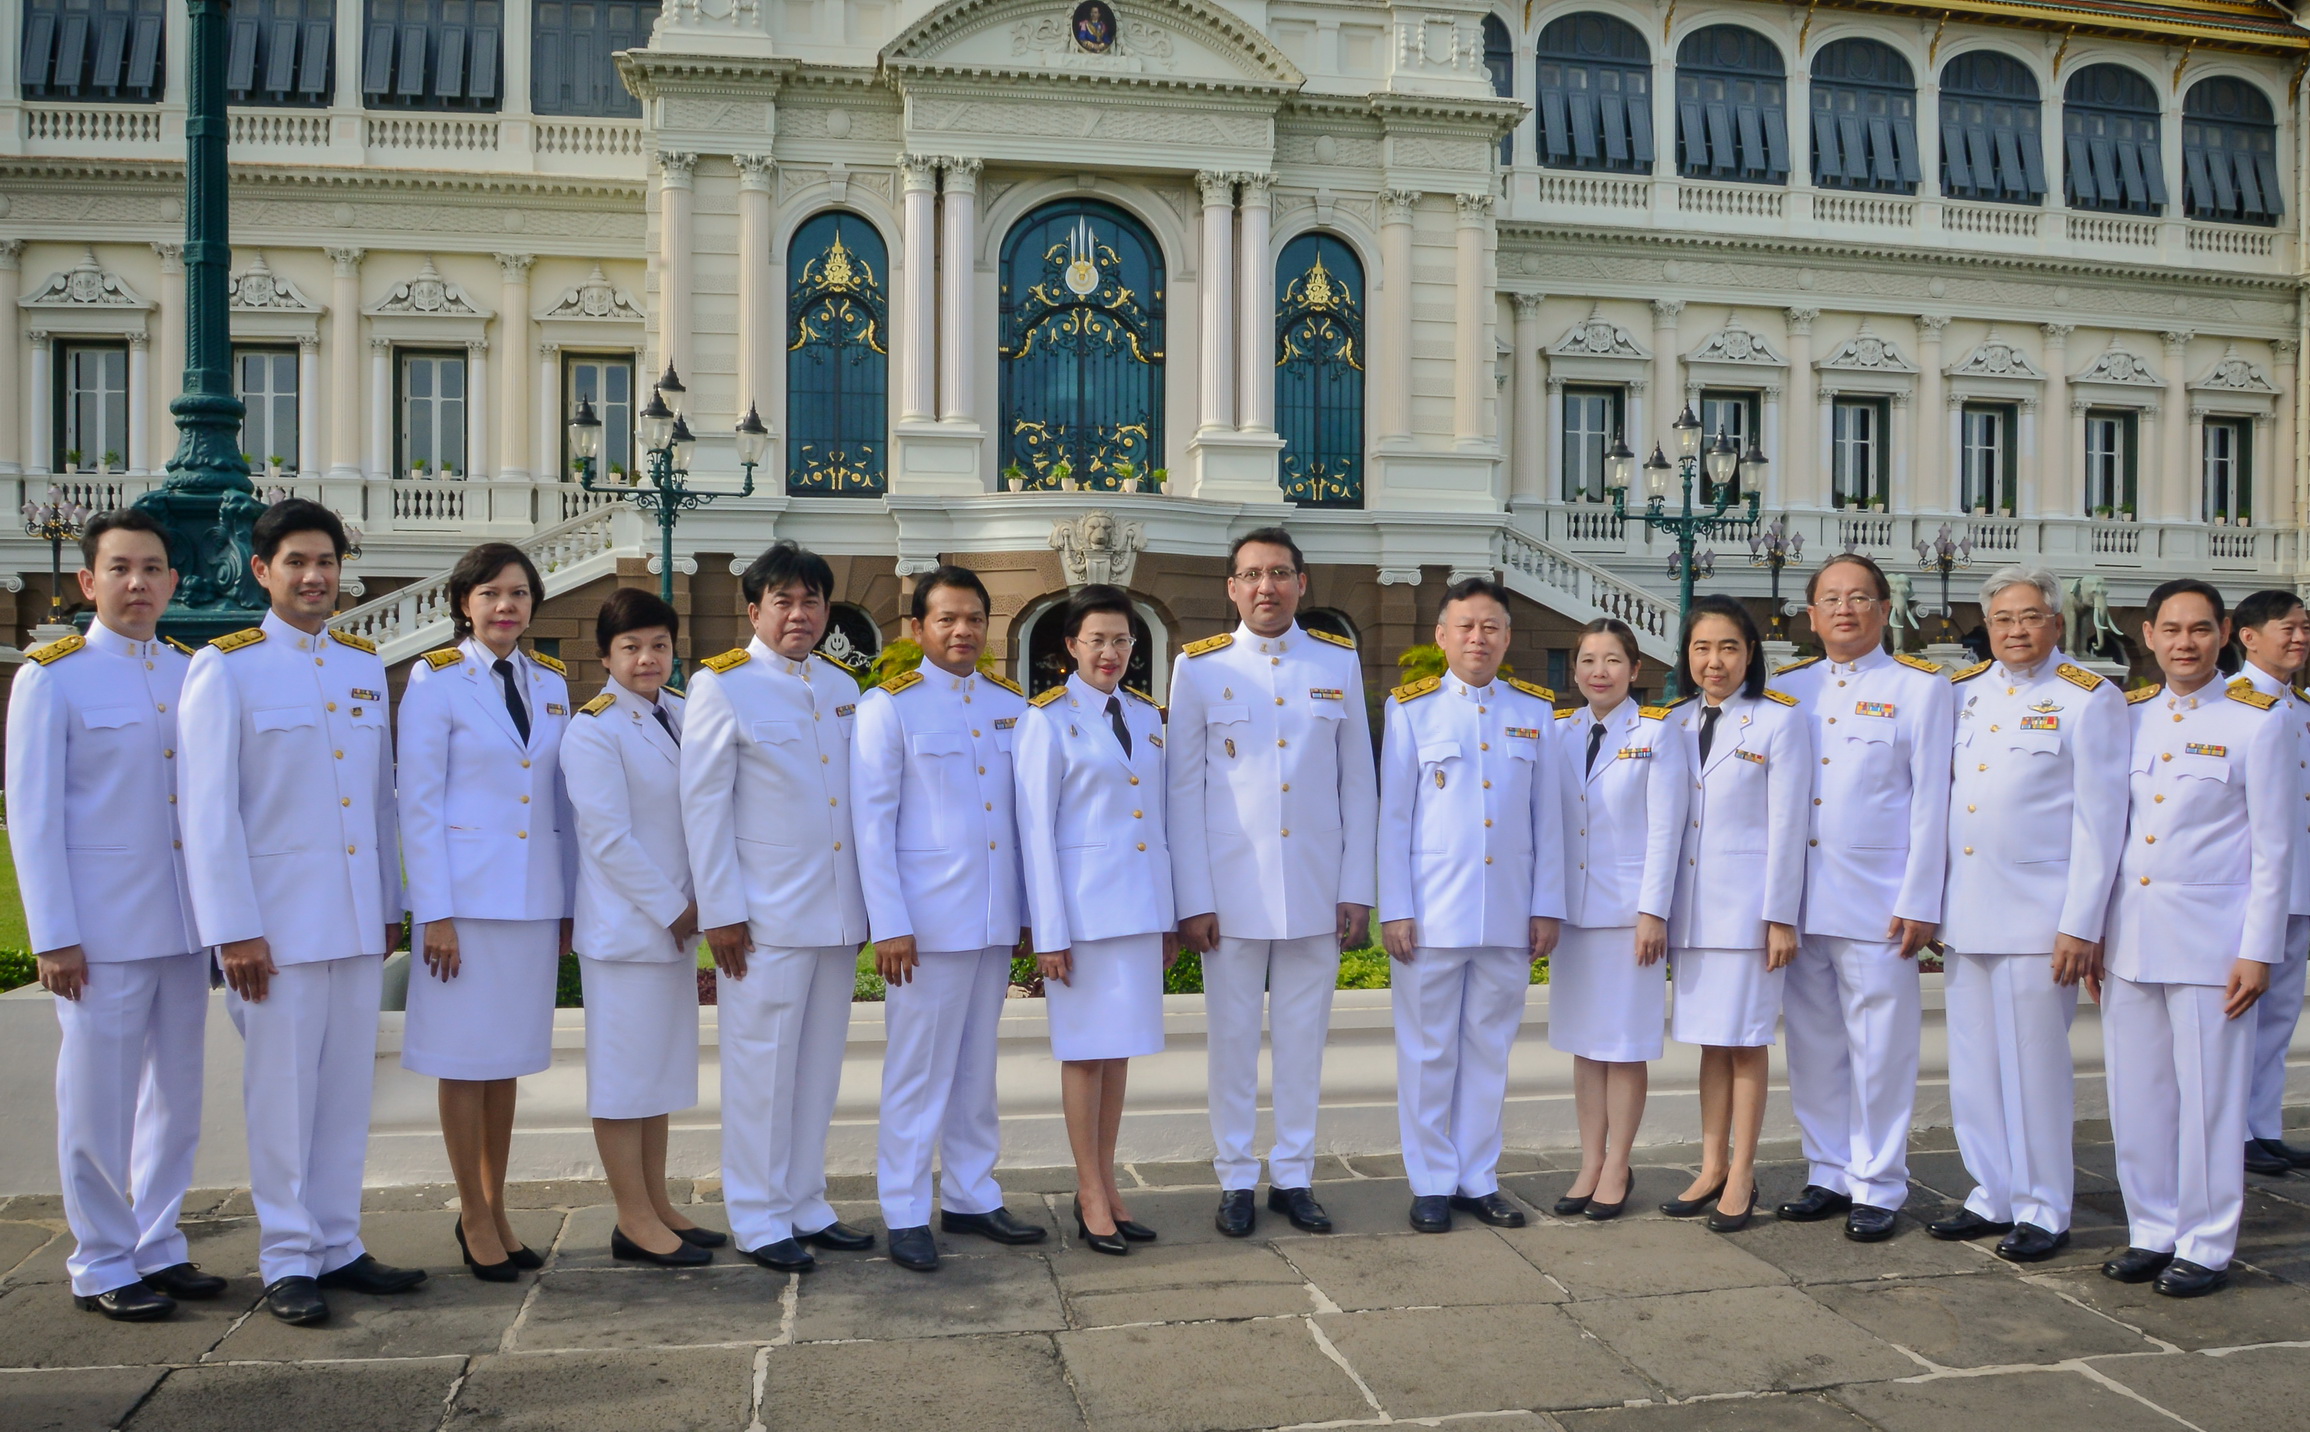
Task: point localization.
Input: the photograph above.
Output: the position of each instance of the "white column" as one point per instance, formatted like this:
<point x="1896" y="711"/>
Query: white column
<point x="1390" y="347"/>
<point x="548" y="464"/>
<point x="1473" y="307"/>
<point x="513" y="406"/>
<point x="309" y="408"/>
<point x="40" y="399"/>
<point x="383" y="420"/>
<point x="1803" y="479"/>
<point x="2058" y="486"/>
<point x="1531" y="428"/>
<point x="1666" y="384"/>
<point x="11" y="434"/>
<point x="477" y="464"/>
<point x="758" y="322"/>
<point x="1774" y="491"/>
<point x="1255" y="291"/>
<point x="958" y="337"/>
<point x="1937" y="487"/>
<point x="171" y="317"/>
<point x="918" y="316"/>
<point x="2178" y="481"/>
<point x="1552" y="465"/>
<point x="675" y="191"/>
<point x="1900" y="485"/>
<point x="345" y="366"/>
<point x="139" y="403"/>
<point x="2028" y="463"/>
<point x="1217" y="350"/>
<point x="1824" y="421"/>
<point x="2279" y="497"/>
<point x="1953" y="429"/>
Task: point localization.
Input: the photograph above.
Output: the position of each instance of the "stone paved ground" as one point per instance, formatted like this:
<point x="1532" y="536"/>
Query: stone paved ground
<point x="1641" y="1325"/>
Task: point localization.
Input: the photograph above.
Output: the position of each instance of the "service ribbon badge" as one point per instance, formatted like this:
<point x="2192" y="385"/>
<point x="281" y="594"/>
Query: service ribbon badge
<point x="2200" y="748"/>
<point x="1326" y="693"/>
<point x="2041" y="723"/>
<point x="1874" y="708"/>
<point x="1756" y="756"/>
<point x="1530" y="733"/>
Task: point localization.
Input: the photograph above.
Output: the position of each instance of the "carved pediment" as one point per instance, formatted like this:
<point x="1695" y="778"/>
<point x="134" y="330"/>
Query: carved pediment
<point x="1598" y="337"/>
<point x="257" y="289"/>
<point x="2120" y="365"/>
<point x="1996" y="358"/>
<point x="1736" y="342"/>
<point x="596" y="300"/>
<point x="2232" y="373"/>
<point x="1866" y="352"/>
<point x="1185" y="40"/>
<point x="85" y="285"/>
<point x="428" y="295"/>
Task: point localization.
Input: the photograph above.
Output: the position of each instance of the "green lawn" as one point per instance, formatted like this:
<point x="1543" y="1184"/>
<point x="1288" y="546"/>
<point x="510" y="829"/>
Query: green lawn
<point x="13" y="935"/>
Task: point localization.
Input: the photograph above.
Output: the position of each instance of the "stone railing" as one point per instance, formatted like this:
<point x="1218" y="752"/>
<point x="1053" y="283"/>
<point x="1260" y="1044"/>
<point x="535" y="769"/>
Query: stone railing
<point x="1732" y="201"/>
<point x="2231" y="240"/>
<point x="2004" y="221"/>
<point x="1584" y="591"/>
<point x="279" y="129"/>
<point x="440" y="136"/>
<point x="591" y="138"/>
<point x="1875" y="209"/>
<point x="92" y="124"/>
<point x="1601" y="191"/>
<point x="2110" y="229"/>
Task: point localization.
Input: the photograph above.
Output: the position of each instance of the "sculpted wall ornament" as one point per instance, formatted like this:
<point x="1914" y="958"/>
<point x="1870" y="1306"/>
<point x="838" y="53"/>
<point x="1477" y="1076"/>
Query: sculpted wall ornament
<point x="2232" y="373"/>
<point x="85" y="285"/>
<point x="257" y="289"/>
<point x="1098" y="547"/>
<point x="2120" y="365"/>
<point x="1867" y="352"/>
<point x="1737" y="343"/>
<point x="597" y="297"/>
<point x="1996" y="358"/>
<point x="1597" y="337"/>
<point x="429" y="295"/>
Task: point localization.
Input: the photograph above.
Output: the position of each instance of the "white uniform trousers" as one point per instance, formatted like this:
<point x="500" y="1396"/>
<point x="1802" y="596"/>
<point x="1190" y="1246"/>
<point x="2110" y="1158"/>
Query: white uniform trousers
<point x="128" y="1114"/>
<point x="782" y="1029"/>
<point x="2177" y="1109"/>
<point x="1456" y="1015"/>
<point x="1851" y="1008"/>
<point x="2273" y="1018"/>
<point x="2010" y="1087"/>
<point x="938" y="1086"/>
<point x="1296" y="978"/>
<point x="309" y="1060"/>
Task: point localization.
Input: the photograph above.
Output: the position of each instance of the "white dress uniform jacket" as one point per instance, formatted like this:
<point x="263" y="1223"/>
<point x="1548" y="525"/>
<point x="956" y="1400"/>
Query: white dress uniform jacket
<point x="1272" y="786"/>
<point x="938" y="847"/>
<point x="621" y="769"/>
<point x="1091" y="819"/>
<point x="92" y="797"/>
<point x="1624" y="817"/>
<point x="1742" y="860"/>
<point x="2280" y="1006"/>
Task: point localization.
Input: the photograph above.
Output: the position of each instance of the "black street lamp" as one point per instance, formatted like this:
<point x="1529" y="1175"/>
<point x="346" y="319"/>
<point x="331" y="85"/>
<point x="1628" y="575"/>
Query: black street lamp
<point x="1775" y="546"/>
<point x="1687" y="526"/>
<point x="1945" y="554"/>
<point x="57" y="521"/>
<point x="667" y="442"/>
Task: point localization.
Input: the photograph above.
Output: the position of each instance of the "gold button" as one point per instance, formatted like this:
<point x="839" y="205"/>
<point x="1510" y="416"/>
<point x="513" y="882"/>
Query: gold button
<point x="2009" y="690"/>
<point x="1135" y="781"/>
<point x="1982" y="767"/>
<point x="1281" y="742"/>
<point x="178" y="844"/>
<point x="1142" y="845"/>
<point x="525" y="763"/>
<point x="1972" y="808"/>
<point x="1487" y="822"/>
<point x="1487" y="860"/>
<point x="1287" y="830"/>
<point x="1824" y="760"/>
<point x="1275" y="661"/>
<point x="1832" y="720"/>
<point x="1279" y="701"/>
<point x="349" y="850"/>
<point x="1696" y="825"/>
<point x="160" y="706"/>
<point x="521" y="834"/>
<point x="2145" y="880"/>
<point x="172" y="800"/>
<point x="341" y="800"/>
<point x="1584" y="830"/>
<point x="1993" y="725"/>
<point x="2177" y="715"/>
<point x="822" y="760"/>
<point x="1816" y="800"/>
<point x="170" y="752"/>
<point x="1583" y="865"/>
<point x="2149" y="840"/>
<point x="990" y="845"/>
<point x="982" y="770"/>
<point x="1812" y="842"/>
<point x="1136" y="816"/>
<point x="838" y="845"/>
<point x="340" y="755"/>
<point x="1483" y="745"/>
<point x="1840" y="683"/>
<point x="148" y="666"/>
<point x="318" y="662"/>
<point x="525" y="800"/>
<point x="2166" y="756"/>
<point x="974" y="730"/>
<point x="2161" y="800"/>
<point x="1968" y="850"/>
<point x="1287" y="786"/>
<point x="332" y="706"/>
<point x="817" y="715"/>
<point x="1487" y="785"/>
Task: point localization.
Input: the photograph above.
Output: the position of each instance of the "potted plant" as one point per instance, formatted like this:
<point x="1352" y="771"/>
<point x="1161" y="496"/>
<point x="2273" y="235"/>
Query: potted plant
<point x="2245" y="519"/>
<point x="1125" y="475"/>
<point x="1063" y="475"/>
<point x="419" y="469"/>
<point x="1876" y="507"/>
<point x="111" y="461"/>
<point x="2221" y="519"/>
<point x="72" y="459"/>
<point x="2005" y="512"/>
<point x="1012" y="479"/>
<point x="274" y="466"/>
<point x="1159" y="475"/>
<point x="2102" y="512"/>
<point x="2126" y="513"/>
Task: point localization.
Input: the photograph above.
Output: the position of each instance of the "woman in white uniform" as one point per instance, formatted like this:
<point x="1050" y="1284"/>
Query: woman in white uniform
<point x="485" y="839"/>
<point x="1089" y="764"/>
<point x="1740" y="883"/>
<point x="637" y="924"/>
<point x="1624" y="802"/>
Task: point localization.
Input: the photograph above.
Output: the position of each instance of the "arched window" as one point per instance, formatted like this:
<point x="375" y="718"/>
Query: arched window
<point x="2229" y="153"/>
<point x="2109" y="121"/>
<point x="1989" y="141"/>
<point x="1082" y="350"/>
<point x="1864" y="118"/>
<point x="837" y="356"/>
<point x="1319" y="371"/>
<point x="1594" y="86"/>
<point x="1500" y="64"/>
<point x="1732" y="119"/>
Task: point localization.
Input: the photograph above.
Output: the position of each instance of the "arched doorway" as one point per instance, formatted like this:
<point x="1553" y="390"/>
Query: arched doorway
<point x="1082" y="350"/>
<point x="837" y="362"/>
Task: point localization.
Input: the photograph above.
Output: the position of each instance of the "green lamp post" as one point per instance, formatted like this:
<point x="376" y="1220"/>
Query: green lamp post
<point x="1725" y="464"/>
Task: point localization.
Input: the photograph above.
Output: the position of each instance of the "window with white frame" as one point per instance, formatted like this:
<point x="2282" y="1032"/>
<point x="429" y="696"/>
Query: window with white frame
<point x="2228" y="463"/>
<point x="608" y="383"/>
<point x="432" y="413"/>
<point x="94" y="396"/>
<point x="1591" y="425"/>
<point x="2111" y="452"/>
<point x="93" y="50"/>
<point x="1735" y="415"/>
<point x="265" y="379"/>
<point x="1857" y="452"/>
<point x="1985" y="457"/>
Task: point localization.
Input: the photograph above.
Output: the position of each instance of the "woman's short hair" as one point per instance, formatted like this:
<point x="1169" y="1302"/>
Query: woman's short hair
<point x="950" y="575"/>
<point x="1090" y="600"/>
<point x="1713" y="605"/>
<point x="2004" y="579"/>
<point x="480" y="565"/>
<point x="1613" y="627"/>
<point x="632" y="609"/>
<point x="1865" y="563"/>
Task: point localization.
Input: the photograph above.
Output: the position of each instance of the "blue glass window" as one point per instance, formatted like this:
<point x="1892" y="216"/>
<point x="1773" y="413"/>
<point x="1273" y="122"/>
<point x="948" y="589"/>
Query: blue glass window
<point x="1989" y="140"/>
<point x="1594" y="87"/>
<point x="1732" y="119"/>
<point x="1500" y="64"/>
<point x="1864" y="119"/>
<point x="837" y="356"/>
<point x="2229" y="154"/>
<point x="1319" y="371"/>
<point x="2109" y="121"/>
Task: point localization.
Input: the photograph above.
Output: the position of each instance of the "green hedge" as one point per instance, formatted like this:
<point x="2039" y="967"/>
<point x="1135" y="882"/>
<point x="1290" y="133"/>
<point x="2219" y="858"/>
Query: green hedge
<point x="17" y="967"/>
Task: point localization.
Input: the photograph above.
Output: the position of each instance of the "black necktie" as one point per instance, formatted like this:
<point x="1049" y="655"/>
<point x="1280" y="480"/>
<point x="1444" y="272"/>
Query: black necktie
<point x="513" y="706"/>
<point x="1115" y="719"/>
<point x="667" y="722"/>
<point x="1708" y="717"/>
<point x="1595" y="739"/>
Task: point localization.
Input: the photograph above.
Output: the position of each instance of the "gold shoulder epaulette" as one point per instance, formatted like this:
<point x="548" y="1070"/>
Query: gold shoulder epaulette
<point x="235" y="640"/>
<point x="598" y="705"/>
<point x="1531" y="688"/>
<point x="447" y="656"/>
<point x="1004" y="682"/>
<point x="838" y="665"/>
<point x="2243" y="690"/>
<point x="180" y="646"/>
<point x="1413" y="690"/>
<point x="1143" y="696"/>
<point x="1333" y="637"/>
<point x="1795" y="666"/>
<point x="358" y="643"/>
<point x="1045" y="698"/>
<point x="56" y="650"/>
<point x="2076" y="676"/>
<point x="1209" y="644"/>
<point x="550" y="663"/>
<point x="2301" y="695"/>
<point x="1656" y="713"/>
<point x="902" y="681"/>
<point x="1980" y="666"/>
<point x="1917" y="663"/>
<point x="1783" y="697"/>
<point x="2143" y="693"/>
<point x="1566" y="713"/>
<point x="734" y="657"/>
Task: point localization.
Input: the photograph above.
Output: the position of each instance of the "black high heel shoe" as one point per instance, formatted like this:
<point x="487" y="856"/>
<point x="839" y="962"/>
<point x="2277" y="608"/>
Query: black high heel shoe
<point x="1135" y="1232"/>
<point x="526" y="1258"/>
<point x="685" y="1255"/>
<point x="1720" y="1221"/>
<point x="1110" y="1243"/>
<point x="702" y="1237"/>
<point x="1693" y="1207"/>
<point x="1602" y="1212"/>
<point x="1571" y="1205"/>
<point x="500" y="1272"/>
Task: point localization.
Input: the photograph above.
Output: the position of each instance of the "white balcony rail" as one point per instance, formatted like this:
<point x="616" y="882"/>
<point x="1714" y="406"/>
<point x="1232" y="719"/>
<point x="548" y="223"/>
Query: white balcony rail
<point x="1595" y="190"/>
<point x="590" y="138"/>
<point x="92" y="124"/>
<point x="279" y="129"/>
<point x="1732" y="201"/>
<point x="2004" y="221"/>
<point x="1874" y="209"/>
<point x="1584" y="591"/>
<point x="568" y="554"/>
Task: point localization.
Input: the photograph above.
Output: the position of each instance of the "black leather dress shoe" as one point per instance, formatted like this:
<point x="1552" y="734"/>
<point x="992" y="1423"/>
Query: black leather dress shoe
<point x="297" y="1301"/>
<point x="366" y="1275"/>
<point x="2260" y="1160"/>
<point x="1866" y="1223"/>
<point x="1693" y="1207"/>
<point x="1431" y="1213"/>
<point x="128" y="1303"/>
<point x="2184" y="1279"/>
<point x="787" y="1255"/>
<point x="2299" y="1158"/>
<point x="1299" y="1205"/>
<point x="1493" y="1208"/>
<point x="1135" y="1232"/>
<point x="839" y="1237"/>
<point x="1964" y="1225"/>
<point x="1720" y="1221"/>
<point x="184" y="1282"/>
<point x="2136" y="1265"/>
<point x="1570" y="1206"/>
<point x="913" y="1248"/>
<point x="1814" y="1203"/>
<point x="706" y="1237"/>
<point x="1001" y="1225"/>
<point x="2028" y="1243"/>
<point x="1238" y="1213"/>
<point x="504" y="1270"/>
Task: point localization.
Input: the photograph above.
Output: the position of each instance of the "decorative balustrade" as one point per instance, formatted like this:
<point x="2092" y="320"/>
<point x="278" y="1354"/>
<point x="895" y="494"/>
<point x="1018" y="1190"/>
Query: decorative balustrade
<point x="2003" y="221"/>
<point x="1732" y="201"/>
<point x="1875" y="209"/>
<point x="1994" y="535"/>
<point x="404" y="614"/>
<point x="1600" y="191"/>
<point x="279" y="128"/>
<point x="2233" y="241"/>
<point x="2233" y="544"/>
<point x="445" y="136"/>
<point x="2116" y="539"/>
<point x="1861" y="533"/>
<point x="91" y="124"/>
<point x="1582" y="589"/>
<point x="591" y="138"/>
<point x="418" y="504"/>
<point x="2109" y="229"/>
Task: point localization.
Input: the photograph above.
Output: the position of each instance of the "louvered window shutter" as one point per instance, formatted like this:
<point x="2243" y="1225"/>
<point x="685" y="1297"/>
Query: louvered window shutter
<point x="1640" y="131"/>
<point x="482" y="83"/>
<point x="1886" y="167"/>
<point x="2130" y="174"/>
<point x="1555" y="127"/>
<point x="1905" y="144"/>
<point x="1583" y="107"/>
<point x="281" y="57"/>
<point x="144" y="75"/>
<point x="2080" y="188"/>
<point x="2249" y="186"/>
<point x="2194" y="174"/>
<point x="1692" y="137"/>
<point x="72" y="52"/>
<point x="111" y="52"/>
<point x="1776" y="125"/>
<point x="449" y="66"/>
<point x="1960" y="175"/>
<point x="377" y="61"/>
<point x="241" y="56"/>
<point x="2218" y="170"/>
<point x="39" y="49"/>
<point x="1722" y="154"/>
<point x="1615" y="113"/>
<point x="2032" y="161"/>
<point x="313" y="66"/>
<point x="1828" y="162"/>
<point x="411" y="69"/>
<point x="2273" y="198"/>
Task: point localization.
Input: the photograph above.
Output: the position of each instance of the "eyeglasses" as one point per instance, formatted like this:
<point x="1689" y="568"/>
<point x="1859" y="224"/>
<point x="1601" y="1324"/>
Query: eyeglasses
<point x="1102" y="643"/>
<point x="1250" y="576"/>
<point x="1839" y="601"/>
<point x="2031" y="620"/>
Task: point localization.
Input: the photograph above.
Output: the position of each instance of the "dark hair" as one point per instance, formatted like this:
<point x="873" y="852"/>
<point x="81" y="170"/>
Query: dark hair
<point x="1267" y="536"/>
<point x="632" y="609"/>
<point x="295" y="514"/>
<point x="1097" y="597"/>
<point x="1612" y="627"/>
<point x="481" y="564"/>
<point x="119" y="519"/>
<point x="1867" y="564"/>
<point x="1714" y="605"/>
<point x="784" y="564"/>
<point x="949" y="575"/>
<point x="2183" y="586"/>
<point x="1467" y="587"/>
<point x="2267" y="605"/>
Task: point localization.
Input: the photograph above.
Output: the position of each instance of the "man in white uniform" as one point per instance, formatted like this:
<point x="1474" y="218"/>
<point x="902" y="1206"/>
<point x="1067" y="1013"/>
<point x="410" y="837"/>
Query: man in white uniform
<point x="1273" y="797"/>
<point x="2036" y="816"/>
<point x="1874" y="864"/>
<point x="295" y="871"/>
<point x="2274" y="632"/>
<point x="1471" y="885"/>
<point x="2198" y="920"/>
<point x="92" y="817"/>
<point x="939" y="853"/>
<point x="766" y="811"/>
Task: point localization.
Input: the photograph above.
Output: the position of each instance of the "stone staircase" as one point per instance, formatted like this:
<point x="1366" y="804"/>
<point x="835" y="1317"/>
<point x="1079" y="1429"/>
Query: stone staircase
<point x="1584" y="591"/>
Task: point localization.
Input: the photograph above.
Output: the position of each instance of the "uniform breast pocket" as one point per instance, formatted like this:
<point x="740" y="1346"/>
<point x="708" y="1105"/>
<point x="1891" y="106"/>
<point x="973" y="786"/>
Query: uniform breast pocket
<point x="777" y="733"/>
<point x="1867" y="730"/>
<point x="109" y="718"/>
<point x="936" y="743"/>
<point x="283" y="719"/>
<point x="2035" y="743"/>
<point x="1228" y="715"/>
<point x="2202" y="768"/>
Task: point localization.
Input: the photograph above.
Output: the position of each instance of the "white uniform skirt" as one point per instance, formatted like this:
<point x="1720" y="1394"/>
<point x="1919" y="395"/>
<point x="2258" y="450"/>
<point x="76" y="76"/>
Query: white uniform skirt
<point x="1602" y="1004"/>
<point x="1725" y="997"/>
<point x="495" y="1019"/>
<point x="1114" y="1008"/>
<point x="641" y="1037"/>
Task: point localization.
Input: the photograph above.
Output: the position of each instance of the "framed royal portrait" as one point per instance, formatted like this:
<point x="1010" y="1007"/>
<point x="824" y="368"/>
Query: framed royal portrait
<point x="1094" y="27"/>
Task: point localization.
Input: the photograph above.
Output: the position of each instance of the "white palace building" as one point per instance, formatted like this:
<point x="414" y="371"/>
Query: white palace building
<point x="1073" y="291"/>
